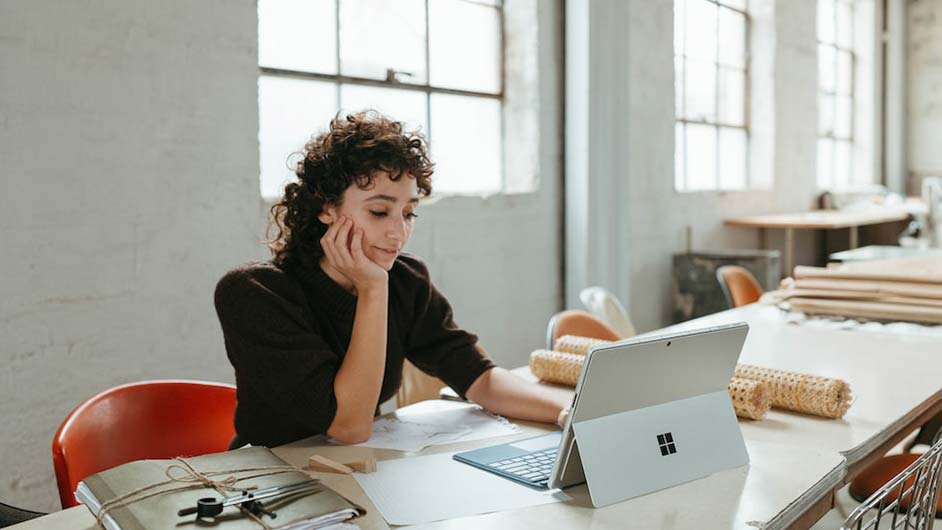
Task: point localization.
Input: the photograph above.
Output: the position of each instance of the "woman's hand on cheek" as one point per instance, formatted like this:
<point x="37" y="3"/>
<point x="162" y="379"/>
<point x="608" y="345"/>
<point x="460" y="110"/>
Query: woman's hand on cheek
<point x="343" y="248"/>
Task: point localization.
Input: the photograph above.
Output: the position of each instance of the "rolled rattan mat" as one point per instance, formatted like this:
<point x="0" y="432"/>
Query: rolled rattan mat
<point x="750" y="398"/>
<point x="821" y="396"/>
<point x="576" y="345"/>
<point x="807" y="393"/>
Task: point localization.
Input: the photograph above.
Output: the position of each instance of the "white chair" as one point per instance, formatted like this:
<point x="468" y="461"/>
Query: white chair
<point x="603" y="304"/>
<point x="908" y="501"/>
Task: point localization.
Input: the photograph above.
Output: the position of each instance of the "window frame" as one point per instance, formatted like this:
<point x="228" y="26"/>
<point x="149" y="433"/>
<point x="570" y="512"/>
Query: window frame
<point x="681" y="117"/>
<point x="831" y="136"/>
<point x="427" y="88"/>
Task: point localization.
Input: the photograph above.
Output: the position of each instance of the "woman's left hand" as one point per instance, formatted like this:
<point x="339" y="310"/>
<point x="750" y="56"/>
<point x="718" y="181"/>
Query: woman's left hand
<point x="563" y="416"/>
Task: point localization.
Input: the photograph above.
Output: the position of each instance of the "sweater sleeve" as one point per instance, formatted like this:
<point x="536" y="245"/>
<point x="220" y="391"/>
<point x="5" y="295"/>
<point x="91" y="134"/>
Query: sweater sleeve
<point x="284" y="369"/>
<point x="437" y="346"/>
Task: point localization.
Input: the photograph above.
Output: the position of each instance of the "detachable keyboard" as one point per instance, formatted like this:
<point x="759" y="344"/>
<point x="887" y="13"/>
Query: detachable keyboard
<point x="533" y="469"/>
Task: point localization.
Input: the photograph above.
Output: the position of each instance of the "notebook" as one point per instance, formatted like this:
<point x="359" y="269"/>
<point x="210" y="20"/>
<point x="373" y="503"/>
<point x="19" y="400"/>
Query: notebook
<point x="321" y="509"/>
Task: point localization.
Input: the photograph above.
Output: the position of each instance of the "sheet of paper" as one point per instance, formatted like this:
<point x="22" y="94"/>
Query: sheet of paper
<point x="433" y="488"/>
<point x="449" y="423"/>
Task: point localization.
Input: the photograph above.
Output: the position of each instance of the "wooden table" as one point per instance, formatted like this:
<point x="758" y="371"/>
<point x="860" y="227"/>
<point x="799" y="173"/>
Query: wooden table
<point x="814" y="220"/>
<point x="797" y="462"/>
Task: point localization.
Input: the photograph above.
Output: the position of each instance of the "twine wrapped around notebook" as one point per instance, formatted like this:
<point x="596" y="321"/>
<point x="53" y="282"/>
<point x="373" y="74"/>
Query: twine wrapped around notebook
<point x="750" y="398"/>
<point x="193" y="479"/>
<point x="821" y="396"/>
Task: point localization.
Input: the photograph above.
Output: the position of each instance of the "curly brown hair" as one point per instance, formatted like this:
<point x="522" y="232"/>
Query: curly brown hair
<point x="350" y="152"/>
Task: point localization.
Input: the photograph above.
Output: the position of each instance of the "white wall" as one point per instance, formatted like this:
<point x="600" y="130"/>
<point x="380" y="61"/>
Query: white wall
<point x="621" y="52"/>
<point x="924" y="34"/>
<point x="128" y="146"/>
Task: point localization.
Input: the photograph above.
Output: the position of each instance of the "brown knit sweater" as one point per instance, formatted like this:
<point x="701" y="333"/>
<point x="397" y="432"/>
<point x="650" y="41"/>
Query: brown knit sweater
<point x="287" y="329"/>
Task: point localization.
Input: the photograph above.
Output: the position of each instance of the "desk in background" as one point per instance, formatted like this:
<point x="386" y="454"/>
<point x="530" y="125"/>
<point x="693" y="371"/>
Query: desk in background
<point x="815" y="220"/>
<point x="877" y="252"/>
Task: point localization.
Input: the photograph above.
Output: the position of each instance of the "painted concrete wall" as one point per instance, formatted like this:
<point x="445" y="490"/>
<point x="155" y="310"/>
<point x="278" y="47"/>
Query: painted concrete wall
<point x="128" y="145"/>
<point x="624" y="180"/>
<point x="924" y="35"/>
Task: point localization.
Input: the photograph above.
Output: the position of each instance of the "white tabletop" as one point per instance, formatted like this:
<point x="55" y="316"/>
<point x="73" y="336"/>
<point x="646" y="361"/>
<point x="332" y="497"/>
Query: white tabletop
<point x="894" y="378"/>
<point x="796" y="459"/>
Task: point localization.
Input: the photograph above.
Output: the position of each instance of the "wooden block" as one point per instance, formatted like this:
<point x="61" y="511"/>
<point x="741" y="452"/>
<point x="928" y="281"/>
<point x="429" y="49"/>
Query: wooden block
<point x="363" y="466"/>
<point x="322" y="463"/>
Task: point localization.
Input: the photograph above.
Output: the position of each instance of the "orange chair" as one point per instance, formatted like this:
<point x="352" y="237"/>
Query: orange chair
<point x="580" y="323"/>
<point x="871" y="480"/>
<point x="739" y="285"/>
<point x="149" y="419"/>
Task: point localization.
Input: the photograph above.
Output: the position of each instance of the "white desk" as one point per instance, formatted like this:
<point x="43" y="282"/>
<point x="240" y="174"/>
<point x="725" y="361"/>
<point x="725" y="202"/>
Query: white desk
<point x="896" y="380"/>
<point x="797" y="461"/>
<point x="778" y="486"/>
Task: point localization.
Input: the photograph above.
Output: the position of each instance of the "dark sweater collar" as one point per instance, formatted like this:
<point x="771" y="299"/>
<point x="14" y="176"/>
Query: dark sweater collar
<point x="330" y="295"/>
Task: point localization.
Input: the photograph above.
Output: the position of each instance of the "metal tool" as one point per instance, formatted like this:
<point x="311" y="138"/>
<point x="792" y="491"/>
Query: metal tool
<point x="209" y="507"/>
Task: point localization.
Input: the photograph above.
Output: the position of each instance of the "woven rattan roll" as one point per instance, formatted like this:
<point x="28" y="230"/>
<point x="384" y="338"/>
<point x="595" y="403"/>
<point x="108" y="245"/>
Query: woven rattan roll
<point x="821" y="396"/>
<point x="750" y="399"/>
<point x="576" y="345"/>
<point x="556" y="367"/>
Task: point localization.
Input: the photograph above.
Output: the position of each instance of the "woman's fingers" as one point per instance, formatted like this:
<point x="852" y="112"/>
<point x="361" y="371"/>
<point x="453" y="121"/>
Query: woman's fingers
<point x="356" y="246"/>
<point x="341" y="243"/>
<point x="327" y="242"/>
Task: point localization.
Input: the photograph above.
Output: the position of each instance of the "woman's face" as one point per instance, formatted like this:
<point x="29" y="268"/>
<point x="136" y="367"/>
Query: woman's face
<point x="385" y="212"/>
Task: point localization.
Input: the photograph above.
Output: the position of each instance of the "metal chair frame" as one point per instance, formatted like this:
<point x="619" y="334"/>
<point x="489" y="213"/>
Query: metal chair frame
<point x="887" y="503"/>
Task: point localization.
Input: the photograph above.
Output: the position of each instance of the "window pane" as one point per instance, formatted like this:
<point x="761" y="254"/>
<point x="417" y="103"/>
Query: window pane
<point x="733" y="158"/>
<point x="700" y="91"/>
<point x="679" y="87"/>
<point x="680" y="156"/>
<point x="290" y="112"/>
<point x="701" y="157"/>
<point x="466" y="144"/>
<point x="465" y="42"/>
<point x="376" y="35"/>
<point x="825" y="163"/>
<point x="826" y="21"/>
<point x="701" y="30"/>
<point x="825" y="114"/>
<point x="679" y="18"/>
<point x="732" y="97"/>
<point x="844" y="73"/>
<point x="732" y="44"/>
<point x="826" y="68"/>
<point x="401" y="105"/>
<point x="843" y="117"/>
<point x="845" y="23"/>
<point x="738" y="4"/>
<point x="297" y="35"/>
<point x="842" y="164"/>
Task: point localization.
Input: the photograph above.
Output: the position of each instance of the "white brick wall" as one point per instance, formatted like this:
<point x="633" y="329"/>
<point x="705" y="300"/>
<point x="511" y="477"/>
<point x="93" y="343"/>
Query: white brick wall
<point x="129" y="160"/>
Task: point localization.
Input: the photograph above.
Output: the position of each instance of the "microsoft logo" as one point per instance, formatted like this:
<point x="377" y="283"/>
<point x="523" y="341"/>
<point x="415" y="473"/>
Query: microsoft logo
<point x="666" y="443"/>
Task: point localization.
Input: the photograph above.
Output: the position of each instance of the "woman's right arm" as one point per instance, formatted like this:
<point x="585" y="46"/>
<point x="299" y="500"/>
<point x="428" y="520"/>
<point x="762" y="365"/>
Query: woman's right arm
<point x="359" y="379"/>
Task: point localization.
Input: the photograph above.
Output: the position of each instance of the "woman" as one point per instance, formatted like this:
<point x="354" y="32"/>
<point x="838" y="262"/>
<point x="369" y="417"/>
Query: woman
<point x="317" y="336"/>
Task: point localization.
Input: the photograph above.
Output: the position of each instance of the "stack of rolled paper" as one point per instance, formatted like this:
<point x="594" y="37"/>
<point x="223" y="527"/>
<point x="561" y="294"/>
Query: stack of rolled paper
<point x="904" y="289"/>
<point x="753" y="390"/>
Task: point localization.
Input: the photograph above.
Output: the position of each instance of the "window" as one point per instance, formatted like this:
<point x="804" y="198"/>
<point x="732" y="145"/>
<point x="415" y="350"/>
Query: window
<point x="435" y="64"/>
<point x="836" y="64"/>
<point x="711" y="87"/>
